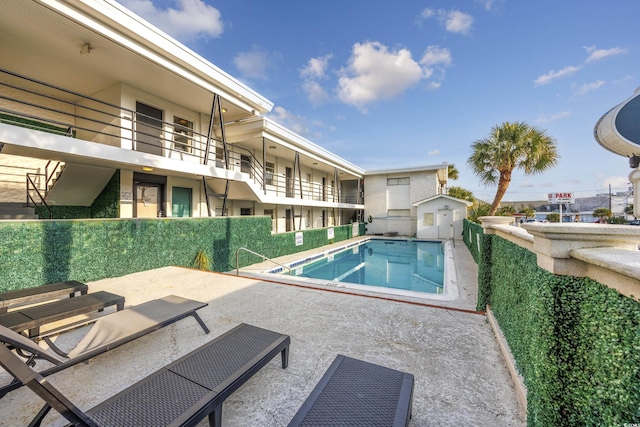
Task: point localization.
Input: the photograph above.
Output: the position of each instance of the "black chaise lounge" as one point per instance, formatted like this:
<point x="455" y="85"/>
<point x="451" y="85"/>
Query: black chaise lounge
<point x="32" y="318"/>
<point x="357" y="393"/>
<point x="40" y="293"/>
<point x="104" y="334"/>
<point x="181" y="394"/>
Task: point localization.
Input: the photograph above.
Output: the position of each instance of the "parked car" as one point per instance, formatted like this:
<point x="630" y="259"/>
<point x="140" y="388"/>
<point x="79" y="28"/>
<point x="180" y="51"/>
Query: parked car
<point x="634" y="222"/>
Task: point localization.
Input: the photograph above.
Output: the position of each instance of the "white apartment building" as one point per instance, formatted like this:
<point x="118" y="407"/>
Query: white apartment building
<point x="392" y="193"/>
<point x="88" y="89"/>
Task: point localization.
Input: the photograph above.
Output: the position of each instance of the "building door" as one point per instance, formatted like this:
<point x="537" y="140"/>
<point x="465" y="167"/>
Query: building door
<point x="149" y="195"/>
<point x="288" y="220"/>
<point x="289" y="176"/>
<point x="148" y="129"/>
<point x="445" y="224"/>
<point x="148" y="201"/>
<point x="180" y="202"/>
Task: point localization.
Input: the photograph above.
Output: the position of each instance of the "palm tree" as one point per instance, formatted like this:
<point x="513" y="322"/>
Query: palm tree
<point x="602" y="214"/>
<point x="461" y="193"/>
<point x="553" y="217"/>
<point x="510" y="146"/>
<point x="528" y="212"/>
<point x="452" y="172"/>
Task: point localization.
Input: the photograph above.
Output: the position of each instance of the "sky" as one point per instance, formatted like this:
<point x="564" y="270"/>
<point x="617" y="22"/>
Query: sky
<point x="415" y="83"/>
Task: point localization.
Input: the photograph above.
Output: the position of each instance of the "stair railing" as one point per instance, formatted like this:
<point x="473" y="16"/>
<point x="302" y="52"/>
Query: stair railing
<point x="257" y="254"/>
<point x="32" y="186"/>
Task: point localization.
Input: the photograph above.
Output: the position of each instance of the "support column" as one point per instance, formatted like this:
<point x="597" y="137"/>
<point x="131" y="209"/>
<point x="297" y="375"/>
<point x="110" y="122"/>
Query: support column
<point x="634" y="178"/>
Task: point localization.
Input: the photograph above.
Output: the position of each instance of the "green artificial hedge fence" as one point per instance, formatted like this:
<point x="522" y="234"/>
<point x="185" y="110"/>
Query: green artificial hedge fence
<point x="576" y="342"/>
<point x="472" y="235"/>
<point x="38" y="252"/>
<point x="106" y="205"/>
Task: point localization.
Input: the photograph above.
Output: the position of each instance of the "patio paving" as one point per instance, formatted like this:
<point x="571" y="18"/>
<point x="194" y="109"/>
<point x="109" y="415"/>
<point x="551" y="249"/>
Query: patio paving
<point x="460" y="375"/>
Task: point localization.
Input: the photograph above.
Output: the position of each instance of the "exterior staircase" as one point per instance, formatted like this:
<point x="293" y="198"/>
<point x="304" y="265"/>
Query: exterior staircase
<point x="9" y="211"/>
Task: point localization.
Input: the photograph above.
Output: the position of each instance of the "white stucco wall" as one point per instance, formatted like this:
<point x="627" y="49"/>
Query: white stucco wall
<point x="437" y="207"/>
<point x="380" y="198"/>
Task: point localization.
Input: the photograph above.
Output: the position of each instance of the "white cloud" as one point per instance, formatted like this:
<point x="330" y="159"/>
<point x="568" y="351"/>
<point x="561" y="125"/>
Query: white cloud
<point x="547" y="184"/>
<point x="490" y="4"/>
<point x="315" y="70"/>
<point x="374" y="73"/>
<point x="188" y="20"/>
<point x="598" y="54"/>
<point x="316" y="67"/>
<point x="253" y="64"/>
<point x="553" y="75"/>
<point x="553" y="117"/>
<point x="316" y="94"/>
<point x="434" y="152"/>
<point x="615" y="182"/>
<point x="458" y="22"/>
<point x="453" y="21"/>
<point x="588" y="87"/>
<point x="527" y="184"/>
<point x="296" y="123"/>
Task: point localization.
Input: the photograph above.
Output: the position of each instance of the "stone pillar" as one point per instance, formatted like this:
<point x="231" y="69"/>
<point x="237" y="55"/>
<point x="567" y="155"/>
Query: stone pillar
<point x="488" y="221"/>
<point x="553" y="242"/>
<point x="634" y="178"/>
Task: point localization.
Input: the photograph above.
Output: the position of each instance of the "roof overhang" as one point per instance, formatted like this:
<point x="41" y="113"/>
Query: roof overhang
<point x="250" y="134"/>
<point x="442" y="196"/>
<point x="42" y="39"/>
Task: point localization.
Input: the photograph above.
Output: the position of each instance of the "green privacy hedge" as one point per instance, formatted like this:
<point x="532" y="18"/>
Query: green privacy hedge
<point x="575" y="341"/>
<point x="106" y="205"/>
<point x="39" y="252"/>
<point x="472" y="235"/>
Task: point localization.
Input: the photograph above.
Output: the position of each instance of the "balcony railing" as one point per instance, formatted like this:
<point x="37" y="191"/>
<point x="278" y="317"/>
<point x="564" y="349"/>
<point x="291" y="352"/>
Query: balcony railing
<point x="39" y="105"/>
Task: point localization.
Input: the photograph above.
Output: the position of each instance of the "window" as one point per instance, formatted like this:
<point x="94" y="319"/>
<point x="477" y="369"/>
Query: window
<point x="245" y="211"/>
<point x="398" y="212"/>
<point x="398" y="181"/>
<point x="427" y="219"/>
<point x="182" y="134"/>
<point x="269" y="170"/>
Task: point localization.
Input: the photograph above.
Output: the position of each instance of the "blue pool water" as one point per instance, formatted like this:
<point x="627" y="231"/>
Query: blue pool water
<point x="407" y="265"/>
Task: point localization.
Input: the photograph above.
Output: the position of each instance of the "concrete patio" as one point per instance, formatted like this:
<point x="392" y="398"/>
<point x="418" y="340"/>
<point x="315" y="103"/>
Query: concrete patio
<point x="460" y="375"/>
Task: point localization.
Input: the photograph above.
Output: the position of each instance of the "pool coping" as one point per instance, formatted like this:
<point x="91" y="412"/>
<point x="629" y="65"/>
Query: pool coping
<point x="265" y="270"/>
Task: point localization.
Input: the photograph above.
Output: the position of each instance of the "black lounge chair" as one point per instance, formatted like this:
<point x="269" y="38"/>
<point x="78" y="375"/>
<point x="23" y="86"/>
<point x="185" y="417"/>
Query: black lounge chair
<point x="181" y="394"/>
<point x="104" y="334"/>
<point x="32" y="318"/>
<point x="40" y="293"/>
<point x="357" y="393"/>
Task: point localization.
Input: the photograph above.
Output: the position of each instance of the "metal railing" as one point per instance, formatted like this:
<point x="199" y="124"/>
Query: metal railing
<point x="42" y="106"/>
<point x="257" y="254"/>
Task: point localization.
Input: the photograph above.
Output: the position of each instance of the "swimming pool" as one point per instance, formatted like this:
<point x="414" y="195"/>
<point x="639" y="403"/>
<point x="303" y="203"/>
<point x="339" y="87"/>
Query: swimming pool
<point x="403" y="267"/>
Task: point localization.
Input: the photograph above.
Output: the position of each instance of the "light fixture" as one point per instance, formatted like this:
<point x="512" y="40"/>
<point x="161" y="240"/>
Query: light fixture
<point x="446" y="206"/>
<point x="224" y="110"/>
<point x="86" y="49"/>
<point x="315" y="163"/>
<point x="147" y="169"/>
<point x="272" y="147"/>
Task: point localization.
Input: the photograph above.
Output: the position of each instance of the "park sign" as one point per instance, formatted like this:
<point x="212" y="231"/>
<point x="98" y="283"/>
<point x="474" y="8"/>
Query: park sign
<point x="560" y="198"/>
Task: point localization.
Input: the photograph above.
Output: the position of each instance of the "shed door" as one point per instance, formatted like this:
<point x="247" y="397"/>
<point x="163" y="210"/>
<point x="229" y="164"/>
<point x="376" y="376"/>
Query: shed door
<point x="445" y="224"/>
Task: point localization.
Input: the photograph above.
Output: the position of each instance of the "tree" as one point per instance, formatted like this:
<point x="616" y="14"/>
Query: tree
<point x="477" y="210"/>
<point x="629" y="210"/>
<point x="553" y="217"/>
<point x="510" y="146"/>
<point x="507" y="210"/>
<point x="452" y="172"/>
<point x="461" y="193"/>
<point x="602" y="214"/>
<point x="528" y="212"/>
